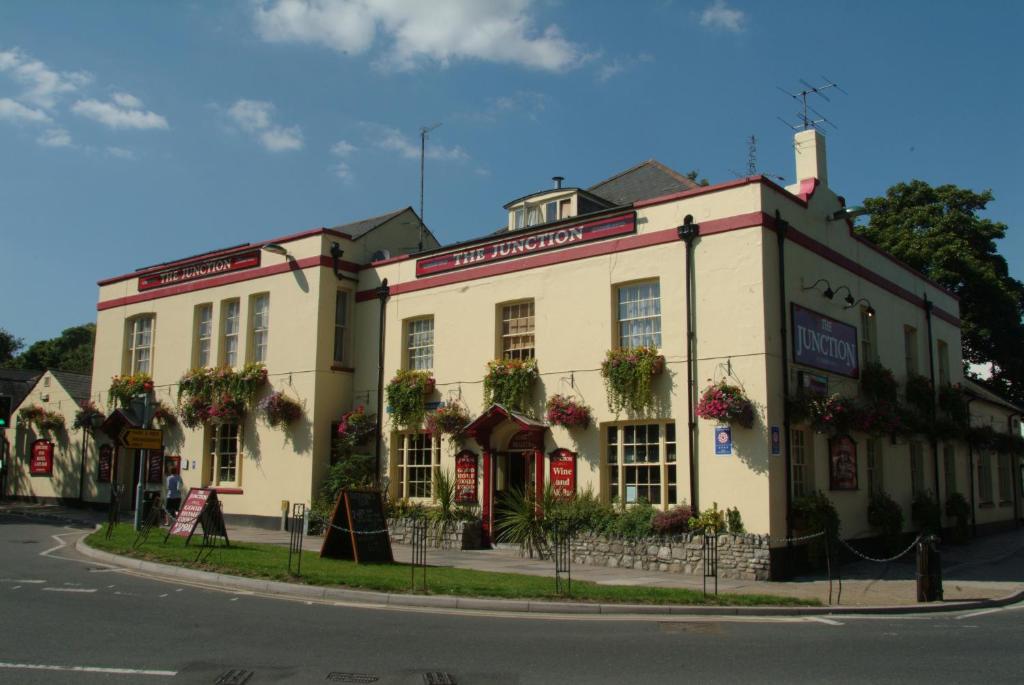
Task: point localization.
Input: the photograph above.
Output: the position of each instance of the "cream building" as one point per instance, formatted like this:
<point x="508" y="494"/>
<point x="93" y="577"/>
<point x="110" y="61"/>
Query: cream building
<point x="763" y="286"/>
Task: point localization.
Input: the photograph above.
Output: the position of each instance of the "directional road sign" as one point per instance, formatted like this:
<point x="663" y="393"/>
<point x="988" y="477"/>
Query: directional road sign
<point x="141" y="438"/>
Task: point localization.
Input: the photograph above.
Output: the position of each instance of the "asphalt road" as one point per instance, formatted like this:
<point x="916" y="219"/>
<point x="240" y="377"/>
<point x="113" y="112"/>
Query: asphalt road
<point x="66" y="619"/>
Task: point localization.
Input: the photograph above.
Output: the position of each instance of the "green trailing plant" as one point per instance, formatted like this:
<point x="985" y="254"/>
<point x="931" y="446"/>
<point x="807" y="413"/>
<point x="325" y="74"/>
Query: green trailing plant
<point x="959" y="510"/>
<point x="406" y="394"/>
<point x="735" y="521"/>
<point x="726" y="403"/>
<point x="925" y="512"/>
<point x="920" y="402"/>
<point x="354" y="430"/>
<point x="711" y="520"/>
<point x="833" y="415"/>
<point x="509" y="382"/>
<point x="879" y="418"/>
<point x="886" y="516"/>
<point x="164" y="415"/>
<point x="88" y="414"/>
<point x="627" y="374"/>
<point x="953" y="405"/>
<point x="218" y="395"/>
<point x="42" y="420"/>
<point x="449" y="419"/>
<point x="124" y="388"/>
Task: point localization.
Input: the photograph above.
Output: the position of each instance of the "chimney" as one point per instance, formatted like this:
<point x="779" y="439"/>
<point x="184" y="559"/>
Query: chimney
<point x="810" y="156"/>
<point x="558" y="181"/>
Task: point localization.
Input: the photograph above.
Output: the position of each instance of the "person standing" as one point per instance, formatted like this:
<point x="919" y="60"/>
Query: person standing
<point x="173" y="495"/>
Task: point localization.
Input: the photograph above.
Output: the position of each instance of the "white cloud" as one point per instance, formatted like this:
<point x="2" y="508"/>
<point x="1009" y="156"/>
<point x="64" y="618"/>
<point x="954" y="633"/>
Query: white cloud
<point x="414" y="32"/>
<point x="120" y="153"/>
<point x="619" y="65"/>
<point x="343" y="148"/>
<point x="11" y="110"/>
<point x="42" y="85"/>
<point x="388" y="138"/>
<point x="718" y="15"/>
<point x="343" y="171"/>
<point x="55" y="137"/>
<point x="124" y="112"/>
<point x="256" y="117"/>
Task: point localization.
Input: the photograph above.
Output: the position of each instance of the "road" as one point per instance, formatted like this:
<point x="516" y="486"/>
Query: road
<point x="67" y="619"/>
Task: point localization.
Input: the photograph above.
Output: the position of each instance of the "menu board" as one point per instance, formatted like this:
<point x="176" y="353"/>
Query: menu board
<point x="357" y="529"/>
<point x="41" y="461"/>
<point x="106" y="460"/>
<point x="465" y="478"/>
<point x="155" y="466"/>
<point x="562" y="474"/>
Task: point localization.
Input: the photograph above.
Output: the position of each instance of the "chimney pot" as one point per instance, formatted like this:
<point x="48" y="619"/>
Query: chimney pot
<point x="558" y="181"/>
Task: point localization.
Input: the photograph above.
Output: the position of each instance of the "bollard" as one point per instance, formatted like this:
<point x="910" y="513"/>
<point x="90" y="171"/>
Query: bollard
<point x="929" y="570"/>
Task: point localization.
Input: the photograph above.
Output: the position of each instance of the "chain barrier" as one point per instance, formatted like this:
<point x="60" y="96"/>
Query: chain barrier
<point x="324" y="521"/>
<point x="800" y="538"/>
<point x="882" y="561"/>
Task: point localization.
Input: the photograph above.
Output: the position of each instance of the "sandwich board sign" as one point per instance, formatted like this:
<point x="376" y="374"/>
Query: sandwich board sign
<point x="357" y="529"/>
<point x="200" y="508"/>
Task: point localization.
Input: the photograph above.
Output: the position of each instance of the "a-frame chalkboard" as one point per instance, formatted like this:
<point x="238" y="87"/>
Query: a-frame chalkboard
<point x="358" y="530"/>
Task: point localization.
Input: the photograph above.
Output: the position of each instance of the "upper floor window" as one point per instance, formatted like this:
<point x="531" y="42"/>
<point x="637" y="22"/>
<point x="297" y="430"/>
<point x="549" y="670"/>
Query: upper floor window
<point x="550" y="212"/>
<point x="910" y="349"/>
<point x="639" y="314"/>
<point x="204" y="335"/>
<point x="517" y="324"/>
<point x="340" y="325"/>
<point x="520" y="217"/>
<point x="420" y="343"/>
<point x="140" y="344"/>
<point x="230" y="317"/>
<point x="259" y="317"/>
<point x="943" y="352"/>
<point x="868" y="336"/>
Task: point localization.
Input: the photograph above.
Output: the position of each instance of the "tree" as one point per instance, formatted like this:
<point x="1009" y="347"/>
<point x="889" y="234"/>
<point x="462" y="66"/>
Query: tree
<point x="70" y="351"/>
<point x="694" y="176"/>
<point x="9" y="345"/>
<point x="938" y="231"/>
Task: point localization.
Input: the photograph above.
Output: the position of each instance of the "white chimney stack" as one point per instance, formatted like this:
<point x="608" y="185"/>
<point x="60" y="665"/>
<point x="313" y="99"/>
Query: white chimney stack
<point x="810" y="156"/>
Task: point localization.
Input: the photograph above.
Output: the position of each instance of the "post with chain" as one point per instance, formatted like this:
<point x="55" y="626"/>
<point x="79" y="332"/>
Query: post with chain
<point x="563" y="558"/>
<point x="419" y="550"/>
<point x="296" y="531"/>
<point x="710" y="558"/>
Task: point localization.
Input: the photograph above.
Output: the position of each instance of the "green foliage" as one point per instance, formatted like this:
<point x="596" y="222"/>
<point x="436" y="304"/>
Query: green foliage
<point x="583" y="512"/>
<point x="953" y="404"/>
<point x="886" y="516"/>
<point x="406" y="393"/>
<point x="694" y="175"/>
<point x="509" y="382"/>
<point x="878" y="383"/>
<point x="42" y="420"/>
<point x="939" y="231"/>
<point x="627" y="375"/>
<point x="735" y="521"/>
<point x="959" y="509"/>
<point x="124" y="388"/>
<point x="925" y="512"/>
<point x="446" y="513"/>
<point x="710" y="520"/>
<point x="449" y="419"/>
<point x="520" y="521"/>
<point x="812" y="514"/>
<point x="72" y="350"/>
<point x="636" y="521"/>
<point x="354" y="430"/>
<point x="87" y="414"/>
<point x="218" y="395"/>
<point x="351" y="472"/>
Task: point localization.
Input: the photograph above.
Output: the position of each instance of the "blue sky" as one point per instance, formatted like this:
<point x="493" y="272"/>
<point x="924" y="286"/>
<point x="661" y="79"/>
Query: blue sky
<point x="134" y="133"/>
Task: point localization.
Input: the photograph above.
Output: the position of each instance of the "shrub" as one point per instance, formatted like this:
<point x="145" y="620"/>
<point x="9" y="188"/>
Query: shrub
<point x="674" y="521"/>
<point x="509" y="382"/>
<point x="959" y="509"/>
<point x="925" y="513"/>
<point x="627" y="375"/>
<point x="406" y="393"/>
<point x="634" y="522"/>
<point x="582" y="512"/>
<point x="735" y="521"/>
<point x="812" y="514"/>
<point x="711" y="519"/>
<point x="886" y="516"/>
<point x="520" y="521"/>
<point x="724" y="402"/>
<point x="567" y="412"/>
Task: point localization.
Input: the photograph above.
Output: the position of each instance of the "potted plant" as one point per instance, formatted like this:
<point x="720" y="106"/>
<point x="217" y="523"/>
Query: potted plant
<point x="449" y="419"/>
<point x="627" y="374"/>
<point x="567" y="412"/>
<point x="279" y="410"/>
<point x="123" y="388"/>
<point x="225" y="408"/>
<point x="405" y="394"/>
<point x="509" y="382"/>
<point x="726" y="403"/>
<point x="51" y="422"/>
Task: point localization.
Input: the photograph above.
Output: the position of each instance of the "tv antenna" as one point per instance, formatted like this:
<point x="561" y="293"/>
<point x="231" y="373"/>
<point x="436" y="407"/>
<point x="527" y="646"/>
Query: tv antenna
<point x="752" y="169"/>
<point x="808" y="116"/>
<point x="424" y="130"/>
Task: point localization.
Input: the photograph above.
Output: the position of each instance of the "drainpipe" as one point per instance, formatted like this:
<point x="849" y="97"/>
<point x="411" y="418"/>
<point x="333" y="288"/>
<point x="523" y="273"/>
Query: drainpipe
<point x="781" y="226"/>
<point x="970" y="468"/>
<point x="688" y="232"/>
<point x="931" y="373"/>
<point x="382" y="295"/>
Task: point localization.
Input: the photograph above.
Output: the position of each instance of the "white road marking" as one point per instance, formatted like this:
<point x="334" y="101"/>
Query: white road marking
<point x="87" y="669"/>
<point x="16" y="587"/>
<point x="979" y="613"/>
<point x="69" y="589"/>
<point x="21" y="581"/>
<point x="234" y="599"/>
<point x="60" y="544"/>
<point x="164" y="595"/>
<point x="826" y="621"/>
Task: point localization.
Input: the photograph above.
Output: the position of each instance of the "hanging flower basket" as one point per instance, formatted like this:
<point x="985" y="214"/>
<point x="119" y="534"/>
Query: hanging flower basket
<point x="218" y="395"/>
<point x="355" y="428"/>
<point x="42" y="420"/>
<point x="567" y="412"/>
<point x="124" y="388"/>
<point x="509" y="382"/>
<point x="627" y="377"/>
<point x="726" y="403"/>
<point x="279" y="410"/>
<point x="406" y="393"/>
<point x="88" y="415"/>
<point x="449" y="420"/>
<point x="878" y="419"/>
<point x="226" y="409"/>
<point x="164" y="415"/>
<point x="834" y="415"/>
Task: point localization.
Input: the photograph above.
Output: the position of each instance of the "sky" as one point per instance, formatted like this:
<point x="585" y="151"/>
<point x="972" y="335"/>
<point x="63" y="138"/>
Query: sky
<point x="133" y="133"/>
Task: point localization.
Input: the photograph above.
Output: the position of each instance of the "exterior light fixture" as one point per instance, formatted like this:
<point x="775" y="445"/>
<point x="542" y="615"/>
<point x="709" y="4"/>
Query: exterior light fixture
<point x="869" y="310"/>
<point x="336" y="253"/>
<point x="829" y="293"/>
<point x="847" y="213"/>
<point x="275" y="248"/>
<point x="849" y="295"/>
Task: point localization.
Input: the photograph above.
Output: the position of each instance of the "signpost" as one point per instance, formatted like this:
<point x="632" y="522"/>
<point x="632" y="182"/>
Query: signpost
<point x="141" y="438"/>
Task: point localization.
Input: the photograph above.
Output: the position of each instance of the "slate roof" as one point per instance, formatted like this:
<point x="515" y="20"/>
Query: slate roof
<point x="642" y="182"/>
<point x="987" y="395"/>
<point x="17" y="383"/>
<point x="78" y="385"/>
<point x="357" y="229"/>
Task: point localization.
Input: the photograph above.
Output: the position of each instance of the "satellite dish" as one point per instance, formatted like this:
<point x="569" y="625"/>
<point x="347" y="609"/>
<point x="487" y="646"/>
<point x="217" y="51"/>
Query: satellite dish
<point x="380" y="254"/>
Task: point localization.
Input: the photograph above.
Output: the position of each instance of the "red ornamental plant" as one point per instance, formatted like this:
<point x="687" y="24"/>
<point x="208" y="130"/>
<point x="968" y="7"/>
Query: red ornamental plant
<point x="164" y="414"/>
<point x="724" y="402"/>
<point x="567" y="412"/>
<point x="834" y="414"/>
<point x="84" y="417"/>
<point x="881" y="418"/>
<point x="355" y="427"/>
<point x="225" y="409"/>
<point x="448" y="420"/>
<point x="279" y="410"/>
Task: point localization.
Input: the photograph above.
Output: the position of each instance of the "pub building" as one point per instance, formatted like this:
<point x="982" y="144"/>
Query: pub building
<point x="746" y="282"/>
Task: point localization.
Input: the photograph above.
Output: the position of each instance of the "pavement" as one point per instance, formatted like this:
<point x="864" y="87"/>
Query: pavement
<point x="989" y="571"/>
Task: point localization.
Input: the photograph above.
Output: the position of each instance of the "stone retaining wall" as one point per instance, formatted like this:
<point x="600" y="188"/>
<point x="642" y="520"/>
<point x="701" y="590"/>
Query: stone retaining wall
<point x="745" y="557"/>
<point x="460" y="535"/>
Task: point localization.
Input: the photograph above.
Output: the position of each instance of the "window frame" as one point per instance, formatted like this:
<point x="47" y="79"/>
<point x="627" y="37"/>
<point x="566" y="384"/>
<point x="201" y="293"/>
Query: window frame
<point x="198" y="338"/>
<point x="503" y="352"/>
<point x="401" y="449"/>
<point x="342" y="330"/>
<point x="875" y="462"/>
<point x="985" y="493"/>
<point x="667" y="464"/>
<point x="617" y="305"/>
<point x="227" y="337"/>
<point x="214" y="442"/>
<point x="917" y="475"/>
<point x="255" y="329"/>
<point x="131" y="361"/>
<point x="802" y="462"/>
<point x="910" y="353"/>
<point x="410" y="361"/>
<point x="868" y="336"/>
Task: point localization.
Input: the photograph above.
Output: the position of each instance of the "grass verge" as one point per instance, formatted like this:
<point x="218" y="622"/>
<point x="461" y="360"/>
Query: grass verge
<point x="254" y="560"/>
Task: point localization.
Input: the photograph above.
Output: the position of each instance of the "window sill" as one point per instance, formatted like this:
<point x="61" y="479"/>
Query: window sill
<point x="1006" y="503"/>
<point x="345" y="369"/>
<point x="229" y="491"/>
<point x="986" y="505"/>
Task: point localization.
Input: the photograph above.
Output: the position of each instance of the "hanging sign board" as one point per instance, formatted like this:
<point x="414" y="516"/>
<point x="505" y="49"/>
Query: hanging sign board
<point x="41" y="459"/>
<point x="194" y="271"/>
<point x="823" y="343"/>
<point x="155" y="466"/>
<point x="465" y="478"/>
<point x="842" y="463"/>
<point x="357" y="529"/>
<point x="523" y="244"/>
<point x="723" y="440"/>
<point x="562" y="473"/>
<point x="106" y="459"/>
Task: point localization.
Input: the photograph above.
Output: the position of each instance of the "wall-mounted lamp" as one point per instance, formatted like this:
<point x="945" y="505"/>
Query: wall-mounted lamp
<point x="336" y="253"/>
<point x="275" y="248"/>
<point x="829" y="293"/>
<point x="849" y="294"/>
<point x="848" y="213"/>
<point x="869" y="310"/>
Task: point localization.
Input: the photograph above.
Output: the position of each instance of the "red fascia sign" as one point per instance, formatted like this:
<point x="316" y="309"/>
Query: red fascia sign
<point x="106" y="460"/>
<point x="521" y="245"/>
<point x="562" y="473"/>
<point x="194" y="271"/>
<point x="465" y="478"/>
<point x="41" y="461"/>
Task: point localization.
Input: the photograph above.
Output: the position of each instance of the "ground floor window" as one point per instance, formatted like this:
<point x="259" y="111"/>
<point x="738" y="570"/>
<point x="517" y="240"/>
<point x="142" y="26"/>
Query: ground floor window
<point x="949" y="469"/>
<point x="641" y="463"/>
<point x="802" y="463"/>
<point x="416" y="460"/>
<point x="224" y="451"/>
<point x="1005" y="484"/>
<point x="874" y="454"/>
<point x="985" y="478"/>
<point x="916" y="469"/>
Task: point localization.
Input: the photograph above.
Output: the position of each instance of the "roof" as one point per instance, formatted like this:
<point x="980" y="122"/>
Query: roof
<point x="642" y="182"/>
<point x="78" y="385"/>
<point x="358" y="229"/>
<point x="987" y="395"/>
<point x="17" y="383"/>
